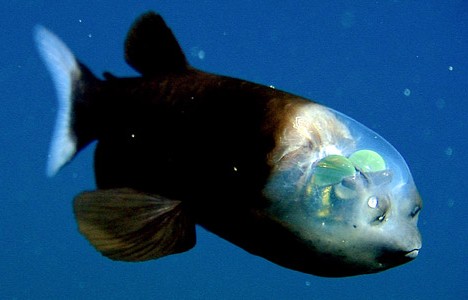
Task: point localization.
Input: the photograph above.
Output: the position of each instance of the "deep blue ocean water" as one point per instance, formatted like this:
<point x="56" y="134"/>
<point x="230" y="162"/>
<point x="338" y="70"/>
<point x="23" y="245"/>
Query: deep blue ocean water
<point x="399" y="67"/>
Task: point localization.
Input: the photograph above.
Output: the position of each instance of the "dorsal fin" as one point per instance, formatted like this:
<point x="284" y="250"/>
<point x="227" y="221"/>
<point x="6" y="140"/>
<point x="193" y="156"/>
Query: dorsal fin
<point x="151" y="48"/>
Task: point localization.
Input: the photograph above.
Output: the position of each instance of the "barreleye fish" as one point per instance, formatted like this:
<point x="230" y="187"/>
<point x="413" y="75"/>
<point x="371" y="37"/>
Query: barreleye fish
<point x="280" y="176"/>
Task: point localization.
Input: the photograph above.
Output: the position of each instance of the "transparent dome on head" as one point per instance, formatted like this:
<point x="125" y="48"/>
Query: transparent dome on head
<point x="331" y="166"/>
<point x="372" y="153"/>
<point x="354" y="171"/>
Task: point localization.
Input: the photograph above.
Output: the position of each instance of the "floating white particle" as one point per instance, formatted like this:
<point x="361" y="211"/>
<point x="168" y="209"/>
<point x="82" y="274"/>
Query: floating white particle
<point x="201" y="54"/>
<point x="90" y="35"/>
<point x="407" y="92"/>
<point x="448" y="151"/>
<point x="450" y="68"/>
<point x="197" y="52"/>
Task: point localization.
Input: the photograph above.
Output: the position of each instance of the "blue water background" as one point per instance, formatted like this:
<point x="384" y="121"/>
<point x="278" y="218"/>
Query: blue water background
<point x="399" y="67"/>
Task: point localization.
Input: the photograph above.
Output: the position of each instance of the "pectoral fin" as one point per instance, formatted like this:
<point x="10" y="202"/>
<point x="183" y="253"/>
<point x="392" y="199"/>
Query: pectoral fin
<point x="127" y="225"/>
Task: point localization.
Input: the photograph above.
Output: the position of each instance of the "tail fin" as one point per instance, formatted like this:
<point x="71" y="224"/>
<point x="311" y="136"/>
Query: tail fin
<point x="73" y="83"/>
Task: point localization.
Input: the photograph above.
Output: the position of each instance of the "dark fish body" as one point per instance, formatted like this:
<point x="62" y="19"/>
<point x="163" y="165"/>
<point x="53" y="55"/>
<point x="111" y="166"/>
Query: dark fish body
<point x="278" y="175"/>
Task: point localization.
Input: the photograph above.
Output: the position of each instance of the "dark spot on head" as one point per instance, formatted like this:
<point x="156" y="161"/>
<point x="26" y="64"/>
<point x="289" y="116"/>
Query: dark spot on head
<point x="355" y="226"/>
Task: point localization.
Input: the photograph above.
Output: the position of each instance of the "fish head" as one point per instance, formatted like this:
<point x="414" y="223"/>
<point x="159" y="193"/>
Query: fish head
<point x="344" y="193"/>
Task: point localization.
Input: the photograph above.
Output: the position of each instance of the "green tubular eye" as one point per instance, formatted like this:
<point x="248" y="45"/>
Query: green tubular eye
<point x="367" y="161"/>
<point x="332" y="169"/>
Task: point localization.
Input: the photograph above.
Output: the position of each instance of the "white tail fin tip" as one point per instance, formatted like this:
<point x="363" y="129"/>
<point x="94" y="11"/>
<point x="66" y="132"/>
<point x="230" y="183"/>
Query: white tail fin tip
<point x="64" y="70"/>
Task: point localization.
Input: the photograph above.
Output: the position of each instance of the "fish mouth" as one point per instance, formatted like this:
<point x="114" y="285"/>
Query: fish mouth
<point x="412" y="254"/>
<point x="395" y="258"/>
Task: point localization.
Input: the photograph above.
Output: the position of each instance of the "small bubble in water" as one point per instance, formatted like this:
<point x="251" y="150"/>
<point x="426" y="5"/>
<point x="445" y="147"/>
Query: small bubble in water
<point x="448" y="151"/>
<point x="407" y="92"/>
<point x="201" y="54"/>
<point x="197" y="52"/>
<point x="450" y="68"/>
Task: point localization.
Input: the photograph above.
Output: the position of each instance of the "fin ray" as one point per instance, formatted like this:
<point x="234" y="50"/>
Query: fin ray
<point x="126" y="225"/>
